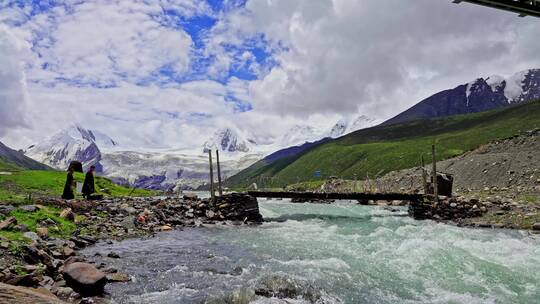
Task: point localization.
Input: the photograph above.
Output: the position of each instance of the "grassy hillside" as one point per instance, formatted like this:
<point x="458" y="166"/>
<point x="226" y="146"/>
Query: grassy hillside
<point x="382" y="149"/>
<point x="8" y="166"/>
<point x="12" y="160"/>
<point x="18" y="185"/>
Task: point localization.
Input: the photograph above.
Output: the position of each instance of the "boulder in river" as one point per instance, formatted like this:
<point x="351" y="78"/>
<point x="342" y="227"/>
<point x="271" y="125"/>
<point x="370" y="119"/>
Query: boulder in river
<point x="85" y="278"/>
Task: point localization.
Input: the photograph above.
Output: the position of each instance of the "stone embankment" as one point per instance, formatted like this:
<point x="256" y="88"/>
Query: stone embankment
<point x="491" y="212"/>
<point x="50" y="268"/>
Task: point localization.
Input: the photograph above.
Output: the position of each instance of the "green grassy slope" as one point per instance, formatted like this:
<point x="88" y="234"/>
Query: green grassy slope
<point x="382" y="149"/>
<point x="11" y="160"/>
<point x="8" y="166"/>
<point x="18" y="185"/>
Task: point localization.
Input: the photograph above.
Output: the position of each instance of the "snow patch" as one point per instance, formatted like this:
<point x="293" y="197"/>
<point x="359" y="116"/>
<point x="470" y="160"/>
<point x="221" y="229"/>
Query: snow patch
<point x="495" y="82"/>
<point x="346" y="126"/>
<point x="514" y="86"/>
<point x="229" y="141"/>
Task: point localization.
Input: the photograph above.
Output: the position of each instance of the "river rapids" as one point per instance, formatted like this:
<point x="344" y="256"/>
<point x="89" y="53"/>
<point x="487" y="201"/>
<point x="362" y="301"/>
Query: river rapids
<point x="339" y="253"/>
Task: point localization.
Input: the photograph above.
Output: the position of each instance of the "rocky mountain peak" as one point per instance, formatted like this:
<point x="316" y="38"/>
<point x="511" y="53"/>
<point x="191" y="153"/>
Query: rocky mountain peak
<point x="228" y="140"/>
<point x="73" y="143"/>
<point x="481" y="94"/>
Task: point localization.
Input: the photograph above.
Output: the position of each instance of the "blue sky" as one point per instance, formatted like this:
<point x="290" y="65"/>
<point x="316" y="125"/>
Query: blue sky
<point x="255" y="50"/>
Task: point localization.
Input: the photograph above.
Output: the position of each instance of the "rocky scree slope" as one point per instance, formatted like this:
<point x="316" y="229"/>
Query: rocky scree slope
<point x="508" y="165"/>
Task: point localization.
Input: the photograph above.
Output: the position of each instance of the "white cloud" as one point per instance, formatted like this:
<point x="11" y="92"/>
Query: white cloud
<point x="378" y="57"/>
<point x="104" y="42"/>
<point x="13" y="94"/>
<point x="332" y="59"/>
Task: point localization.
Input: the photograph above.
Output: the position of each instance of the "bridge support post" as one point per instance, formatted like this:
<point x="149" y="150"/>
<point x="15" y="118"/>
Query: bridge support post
<point x="434" y="174"/>
<point x="424" y="177"/>
<point x="220" y="190"/>
<point x="212" y="194"/>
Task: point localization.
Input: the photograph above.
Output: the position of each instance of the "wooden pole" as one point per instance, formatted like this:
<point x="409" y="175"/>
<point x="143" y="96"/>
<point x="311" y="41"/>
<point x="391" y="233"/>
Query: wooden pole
<point x="219" y="174"/>
<point x="424" y="177"/>
<point x="212" y="194"/>
<point x="434" y="173"/>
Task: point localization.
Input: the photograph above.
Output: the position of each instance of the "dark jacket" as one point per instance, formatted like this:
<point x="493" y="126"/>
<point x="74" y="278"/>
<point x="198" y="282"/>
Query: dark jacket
<point x="88" y="185"/>
<point x="68" y="187"/>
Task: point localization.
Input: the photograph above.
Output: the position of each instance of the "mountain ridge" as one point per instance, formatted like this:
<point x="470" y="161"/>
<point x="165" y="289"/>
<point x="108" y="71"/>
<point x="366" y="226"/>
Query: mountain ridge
<point x="384" y="148"/>
<point x="15" y="160"/>
<point x="479" y="95"/>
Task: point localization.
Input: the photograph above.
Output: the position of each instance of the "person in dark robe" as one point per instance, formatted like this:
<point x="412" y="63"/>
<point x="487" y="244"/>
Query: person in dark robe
<point x="88" y="186"/>
<point x="69" y="186"/>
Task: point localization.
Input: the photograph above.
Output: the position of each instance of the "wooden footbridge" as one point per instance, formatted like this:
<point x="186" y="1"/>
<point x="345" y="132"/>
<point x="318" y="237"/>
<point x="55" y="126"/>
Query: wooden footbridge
<point x="338" y="196"/>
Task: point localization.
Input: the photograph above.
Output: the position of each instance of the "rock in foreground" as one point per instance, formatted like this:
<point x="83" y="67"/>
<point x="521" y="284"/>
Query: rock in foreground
<point x="22" y="295"/>
<point x="85" y="278"/>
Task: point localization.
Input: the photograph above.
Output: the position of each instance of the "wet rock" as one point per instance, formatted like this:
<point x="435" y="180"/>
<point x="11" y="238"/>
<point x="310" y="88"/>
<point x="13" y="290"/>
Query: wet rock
<point x="67" y="251"/>
<point x="118" y="277"/>
<point x="190" y="196"/>
<point x="282" y="287"/>
<point x="210" y="214"/>
<point x="237" y="271"/>
<point x="165" y="228"/>
<point x="536" y="226"/>
<point x="113" y="255"/>
<point x="64" y="292"/>
<point x="84" y="278"/>
<point x="109" y="270"/>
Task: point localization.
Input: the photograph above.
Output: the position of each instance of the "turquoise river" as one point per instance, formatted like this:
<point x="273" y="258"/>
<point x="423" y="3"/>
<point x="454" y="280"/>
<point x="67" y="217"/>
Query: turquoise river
<point x="339" y="253"/>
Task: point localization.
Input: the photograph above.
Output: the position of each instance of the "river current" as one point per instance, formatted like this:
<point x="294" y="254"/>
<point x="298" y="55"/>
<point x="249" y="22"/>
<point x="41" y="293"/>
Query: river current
<point x="339" y="253"/>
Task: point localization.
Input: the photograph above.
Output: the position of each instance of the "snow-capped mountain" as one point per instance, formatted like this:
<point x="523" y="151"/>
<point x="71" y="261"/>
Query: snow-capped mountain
<point x="299" y="134"/>
<point x="228" y="140"/>
<point x="150" y="170"/>
<point x="345" y="126"/>
<point x="168" y="169"/>
<point x="482" y="94"/>
<point x="73" y="143"/>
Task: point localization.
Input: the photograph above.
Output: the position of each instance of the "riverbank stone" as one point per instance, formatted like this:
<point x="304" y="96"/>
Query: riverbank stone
<point x="8" y="223"/>
<point x="6" y="209"/>
<point x="84" y="278"/>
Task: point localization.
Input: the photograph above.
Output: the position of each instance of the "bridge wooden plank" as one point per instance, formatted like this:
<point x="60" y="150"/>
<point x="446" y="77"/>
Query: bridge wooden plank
<point x="337" y="196"/>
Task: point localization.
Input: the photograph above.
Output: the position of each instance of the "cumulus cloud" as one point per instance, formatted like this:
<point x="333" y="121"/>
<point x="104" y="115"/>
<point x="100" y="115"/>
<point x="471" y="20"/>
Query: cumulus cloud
<point x="13" y="95"/>
<point x="103" y="42"/>
<point x="376" y="56"/>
